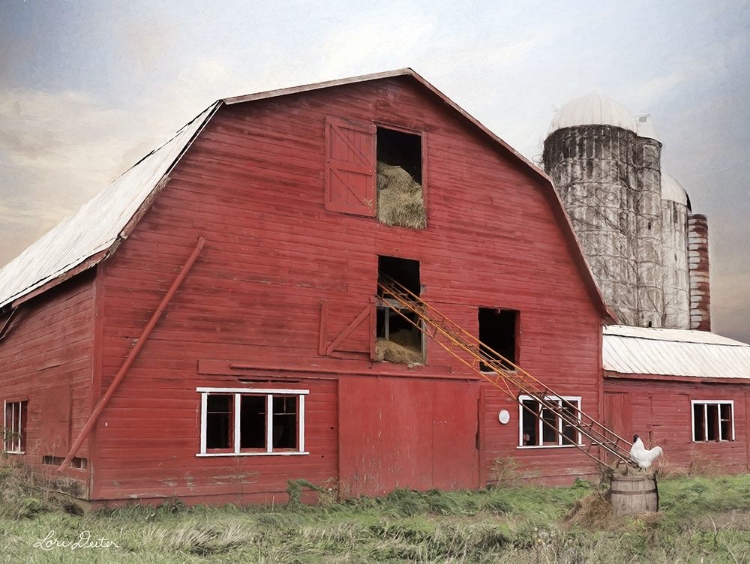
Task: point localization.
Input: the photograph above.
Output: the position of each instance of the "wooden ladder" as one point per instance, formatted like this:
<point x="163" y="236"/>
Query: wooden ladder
<point x="505" y="375"/>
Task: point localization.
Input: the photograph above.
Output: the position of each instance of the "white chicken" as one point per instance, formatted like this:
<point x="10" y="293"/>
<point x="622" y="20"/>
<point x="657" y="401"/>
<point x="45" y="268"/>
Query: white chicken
<point x="642" y="456"/>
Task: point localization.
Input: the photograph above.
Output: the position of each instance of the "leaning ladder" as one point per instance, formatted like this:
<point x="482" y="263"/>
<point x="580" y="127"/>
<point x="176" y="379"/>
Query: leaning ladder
<point x="491" y="366"/>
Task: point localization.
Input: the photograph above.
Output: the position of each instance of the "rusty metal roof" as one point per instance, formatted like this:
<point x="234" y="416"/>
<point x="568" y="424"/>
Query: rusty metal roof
<point x="98" y="224"/>
<point x="674" y="352"/>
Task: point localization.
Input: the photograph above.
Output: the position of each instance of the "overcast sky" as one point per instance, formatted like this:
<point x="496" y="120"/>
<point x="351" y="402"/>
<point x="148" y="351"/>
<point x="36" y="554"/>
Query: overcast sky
<point x="87" y="88"/>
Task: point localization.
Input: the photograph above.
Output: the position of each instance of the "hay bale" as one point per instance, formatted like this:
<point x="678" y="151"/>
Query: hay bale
<point x="393" y="352"/>
<point x="400" y="200"/>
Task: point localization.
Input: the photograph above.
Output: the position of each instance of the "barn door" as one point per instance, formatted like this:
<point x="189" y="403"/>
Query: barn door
<point x="618" y="414"/>
<point x="350" y="167"/>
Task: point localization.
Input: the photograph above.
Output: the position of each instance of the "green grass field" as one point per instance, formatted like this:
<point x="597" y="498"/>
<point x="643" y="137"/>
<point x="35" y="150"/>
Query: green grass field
<point x="701" y="520"/>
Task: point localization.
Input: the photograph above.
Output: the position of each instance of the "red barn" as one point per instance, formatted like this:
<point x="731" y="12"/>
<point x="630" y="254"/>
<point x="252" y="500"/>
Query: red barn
<point x="209" y="326"/>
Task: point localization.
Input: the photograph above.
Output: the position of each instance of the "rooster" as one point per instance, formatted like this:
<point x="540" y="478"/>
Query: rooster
<point x="642" y="456"/>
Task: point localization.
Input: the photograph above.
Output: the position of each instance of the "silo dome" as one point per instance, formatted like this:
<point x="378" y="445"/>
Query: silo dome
<point x="672" y="190"/>
<point x="593" y="110"/>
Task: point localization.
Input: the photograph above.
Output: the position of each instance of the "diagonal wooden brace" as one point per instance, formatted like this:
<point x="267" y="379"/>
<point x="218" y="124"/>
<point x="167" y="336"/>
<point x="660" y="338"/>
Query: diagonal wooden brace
<point x="102" y="403"/>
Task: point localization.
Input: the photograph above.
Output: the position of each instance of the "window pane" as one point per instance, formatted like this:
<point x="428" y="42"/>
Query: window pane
<point x="284" y="422"/>
<point x="549" y="429"/>
<point x="570" y="435"/>
<point x="530" y="423"/>
<point x="699" y="432"/>
<point x="219" y="419"/>
<point x="713" y="422"/>
<point x="726" y="422"/>
<point x="253" y="422"/>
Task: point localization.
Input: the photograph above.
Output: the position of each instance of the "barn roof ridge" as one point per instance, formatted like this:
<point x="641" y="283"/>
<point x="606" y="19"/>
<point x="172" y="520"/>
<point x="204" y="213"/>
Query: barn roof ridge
<point x="94" y="231"/>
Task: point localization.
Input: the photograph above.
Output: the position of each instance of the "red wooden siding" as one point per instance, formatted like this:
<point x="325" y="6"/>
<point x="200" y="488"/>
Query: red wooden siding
<point x="254" y="185"/>
<point x="46" y="359"/>
<point x="660" y="413"/>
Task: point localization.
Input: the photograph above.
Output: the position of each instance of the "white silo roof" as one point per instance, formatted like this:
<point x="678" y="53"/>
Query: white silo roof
<point x="593" y="110"/>
<point x="673" y="190"/>
<point x="646" y="128"/>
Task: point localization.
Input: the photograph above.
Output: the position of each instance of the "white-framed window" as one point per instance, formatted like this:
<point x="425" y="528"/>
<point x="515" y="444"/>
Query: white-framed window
<point x="713" y="420"/>
<point x="542" y="427"/>
<point x="252" y="422"/>
<point x="14" y="427"/>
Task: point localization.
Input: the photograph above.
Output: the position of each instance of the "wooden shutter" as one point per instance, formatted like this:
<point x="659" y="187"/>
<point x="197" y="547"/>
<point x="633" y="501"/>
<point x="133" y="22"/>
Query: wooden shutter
<point x="350" y="167"/>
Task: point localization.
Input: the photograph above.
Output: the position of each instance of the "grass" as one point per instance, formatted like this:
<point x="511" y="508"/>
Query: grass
<point x="702" y="520"/>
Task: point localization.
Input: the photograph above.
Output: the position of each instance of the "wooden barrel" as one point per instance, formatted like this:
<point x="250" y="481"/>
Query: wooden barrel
<point x="634" y="494"/>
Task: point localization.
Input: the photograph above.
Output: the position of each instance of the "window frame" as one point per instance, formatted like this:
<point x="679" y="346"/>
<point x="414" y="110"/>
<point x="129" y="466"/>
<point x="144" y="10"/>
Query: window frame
<point x="237" y="394"/>
<point x="705" y="404"/>
<point x="22" y="420"/>
<point x="540" y="430"/>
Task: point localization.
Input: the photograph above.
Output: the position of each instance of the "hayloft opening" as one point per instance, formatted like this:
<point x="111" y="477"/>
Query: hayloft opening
<point x="399" y="179"/>
<point x="398" y="338"/>
<point x="497" y="331"/>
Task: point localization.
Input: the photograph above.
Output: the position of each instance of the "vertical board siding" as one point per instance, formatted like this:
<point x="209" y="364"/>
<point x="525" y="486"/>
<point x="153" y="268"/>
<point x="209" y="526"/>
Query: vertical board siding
<point x="253" y="184"/>
<point x="46" y="359"/>
<point x="661" y="415"/>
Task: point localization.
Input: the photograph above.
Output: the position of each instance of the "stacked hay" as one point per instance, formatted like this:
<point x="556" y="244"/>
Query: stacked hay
<point x="400" y="200"/>
<point x="404" y="347"/>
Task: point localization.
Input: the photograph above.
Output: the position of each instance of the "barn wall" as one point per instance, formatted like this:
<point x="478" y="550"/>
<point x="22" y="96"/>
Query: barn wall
<point x="253" y="185"/>
<point x="46" y="360"/>
<point x="660" y="413"/>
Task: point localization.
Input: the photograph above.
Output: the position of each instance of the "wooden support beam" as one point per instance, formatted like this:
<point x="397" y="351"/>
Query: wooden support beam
<point x="132" y="355"/>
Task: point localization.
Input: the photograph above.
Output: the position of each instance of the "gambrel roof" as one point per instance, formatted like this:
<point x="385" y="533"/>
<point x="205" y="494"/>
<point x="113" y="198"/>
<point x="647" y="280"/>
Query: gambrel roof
<point x="93" y="233"/>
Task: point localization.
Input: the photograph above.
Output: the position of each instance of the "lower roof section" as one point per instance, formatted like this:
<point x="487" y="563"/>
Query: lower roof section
<point x="674" y="352"/>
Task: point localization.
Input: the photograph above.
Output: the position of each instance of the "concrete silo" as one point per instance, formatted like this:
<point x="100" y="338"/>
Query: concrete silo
<point x="675" y="210"/>
<point x="590" y="154"/>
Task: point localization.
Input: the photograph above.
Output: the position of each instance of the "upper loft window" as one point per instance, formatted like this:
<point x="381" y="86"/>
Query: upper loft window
<point x="498" y="330"/>
<point x="398" y="335"/>
<point x="713" y="421"/>
<point x="399" y="179"/>
<point x="375" y="172"/>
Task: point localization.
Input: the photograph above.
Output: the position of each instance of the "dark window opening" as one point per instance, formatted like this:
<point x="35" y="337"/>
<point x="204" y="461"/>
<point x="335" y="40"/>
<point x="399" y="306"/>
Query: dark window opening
<point x="252" y="422"/>
<point x="397" y="329"/>
<point x="219" y="421"/>
<point x="403" y="271"/>
<point x="699" y="431"/>
<point x="712" y="426"/>
<point x="726" y="422"/>
<point x="285" y="422"/>
<point x="81" y="463"/>
<point x="530" y="423"/>
<point x="399" y="179"/>
<point x="570" y="435"/>
<point x="497" y="332"/>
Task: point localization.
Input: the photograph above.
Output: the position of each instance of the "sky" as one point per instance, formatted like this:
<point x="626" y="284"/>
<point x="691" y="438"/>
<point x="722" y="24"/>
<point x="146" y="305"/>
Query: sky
<point x="88" y="88"/>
